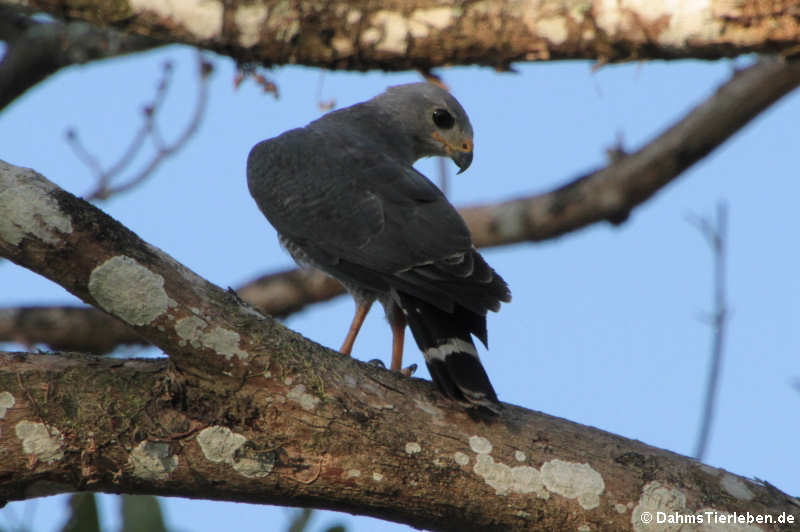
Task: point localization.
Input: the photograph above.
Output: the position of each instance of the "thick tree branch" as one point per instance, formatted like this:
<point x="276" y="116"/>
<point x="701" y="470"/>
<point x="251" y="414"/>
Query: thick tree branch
<point x="247" y="410"/>
<point x="38" y="49"/>
<point x="609" y="194"/>
<point x="406" y="34"/>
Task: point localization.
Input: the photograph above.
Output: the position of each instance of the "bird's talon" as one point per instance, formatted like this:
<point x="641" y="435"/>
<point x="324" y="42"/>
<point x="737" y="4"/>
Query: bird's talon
<point x="377" y="362"/>
<point x="409" y="371"/>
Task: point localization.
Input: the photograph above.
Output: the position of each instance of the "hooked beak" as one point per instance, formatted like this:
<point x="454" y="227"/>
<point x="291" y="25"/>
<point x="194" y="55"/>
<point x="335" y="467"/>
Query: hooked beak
<point x="461" y="154"/>
<point x="462" y="159"/>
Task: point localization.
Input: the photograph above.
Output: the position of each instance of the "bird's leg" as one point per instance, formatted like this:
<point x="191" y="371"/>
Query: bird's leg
<point x="398" y="323"/>
<point x="355" y="326"/>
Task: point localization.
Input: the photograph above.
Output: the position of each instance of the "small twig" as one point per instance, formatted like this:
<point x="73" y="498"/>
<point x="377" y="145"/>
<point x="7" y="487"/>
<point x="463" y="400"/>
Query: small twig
<point x="324" y="105"/>
<point x="716" y="235"/>
<point x="104" y="188"/>
<point x="246" y="71"/>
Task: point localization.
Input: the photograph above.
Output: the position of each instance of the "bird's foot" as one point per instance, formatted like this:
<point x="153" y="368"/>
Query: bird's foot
<point x="408" y="372"/>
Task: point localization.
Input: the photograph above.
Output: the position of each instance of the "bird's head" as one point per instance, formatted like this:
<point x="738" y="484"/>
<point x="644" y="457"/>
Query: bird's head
<point x="434" y="119"/>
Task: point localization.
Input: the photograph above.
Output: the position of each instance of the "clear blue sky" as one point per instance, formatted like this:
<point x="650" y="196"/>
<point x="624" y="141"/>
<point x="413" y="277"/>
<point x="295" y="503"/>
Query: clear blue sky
<point x="605" y="327"/>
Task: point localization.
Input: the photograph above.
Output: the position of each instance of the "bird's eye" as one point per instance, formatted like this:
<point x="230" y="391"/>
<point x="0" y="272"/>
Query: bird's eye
<point x="443" y="119"/>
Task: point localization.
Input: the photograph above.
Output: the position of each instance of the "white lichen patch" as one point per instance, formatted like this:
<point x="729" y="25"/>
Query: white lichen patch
<point x="6" y="402"/>
<point x="283" y="21"/>
<point x="552" y="29"/>
<point x="658" y="498"/>
<point x="353" y="473"/>
<point x="27" y="210"/>
<point x="38" y="440"/>
<point x="203" y="18"/>
<point x="620" y="508"/>
<point x="574" y="481"/>
<point x="391" y="31"/>
<point x="437" y="18"/>
<point x="253" y="467"/>
<point x="461" y="458"/>
<point x="223" y="341"/>
<point x="673" y="26"/>
<point x="669" y="503"/>
<point x="370" y="36"/>
<point x="377" y="477"/>
<point x="413" y="447"/>
<point x="152" y="460"/>
<point x="250" y="19"/>
<point x="584" y="528"/>
<point x="735" y="487"/>
<point x="299" y="395"/>
<point x="219" y="443"/>
<point x="343" y="46"/>
<point x="128" y="290"/>
<point x="480" y="445"/>
<point x="519" y="456"/>
<point x="505" y="479"/>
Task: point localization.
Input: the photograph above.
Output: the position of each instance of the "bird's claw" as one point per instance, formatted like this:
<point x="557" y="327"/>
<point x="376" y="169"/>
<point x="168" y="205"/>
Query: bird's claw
<point x="408" y="372"/>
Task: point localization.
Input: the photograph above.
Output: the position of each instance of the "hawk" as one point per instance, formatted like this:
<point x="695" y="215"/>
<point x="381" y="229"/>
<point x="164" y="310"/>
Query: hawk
<point x="344" y="198"/>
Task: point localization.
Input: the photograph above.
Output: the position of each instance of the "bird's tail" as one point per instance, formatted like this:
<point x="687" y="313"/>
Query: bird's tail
<point x="445" y="338"/>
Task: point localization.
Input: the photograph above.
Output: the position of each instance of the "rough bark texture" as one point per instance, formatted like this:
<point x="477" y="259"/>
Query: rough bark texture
<point x="403" y="34"/>
<point x="247" y="410"/>
<point x="609" y="194"/>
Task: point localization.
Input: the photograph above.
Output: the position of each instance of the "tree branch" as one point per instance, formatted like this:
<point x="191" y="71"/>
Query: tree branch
<point x="248" y="410"/>
<point x="609" y="194"/>
<point x="38" y="49"/>
<point x="421" y="34"/>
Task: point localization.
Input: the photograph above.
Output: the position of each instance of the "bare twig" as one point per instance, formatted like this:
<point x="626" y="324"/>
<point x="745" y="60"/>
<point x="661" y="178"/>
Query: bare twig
<point x="323" y="105"/>
<point x="247" y="71"/>
<point x="715" y="232"/>
<point x="105" y="187"/>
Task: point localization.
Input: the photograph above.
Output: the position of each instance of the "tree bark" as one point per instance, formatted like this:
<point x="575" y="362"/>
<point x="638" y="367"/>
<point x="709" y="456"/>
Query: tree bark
<point x="248" y="410"/>
<point x="422" y="34"/>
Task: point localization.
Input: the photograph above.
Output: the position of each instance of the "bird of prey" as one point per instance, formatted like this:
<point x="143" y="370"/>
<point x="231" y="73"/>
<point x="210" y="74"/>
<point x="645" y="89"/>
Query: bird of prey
<point x="344" y="198"/>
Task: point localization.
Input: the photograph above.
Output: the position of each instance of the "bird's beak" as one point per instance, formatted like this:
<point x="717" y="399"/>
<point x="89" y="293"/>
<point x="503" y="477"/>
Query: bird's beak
<point x="461" y="154"/>
<point x="462" y="159"/>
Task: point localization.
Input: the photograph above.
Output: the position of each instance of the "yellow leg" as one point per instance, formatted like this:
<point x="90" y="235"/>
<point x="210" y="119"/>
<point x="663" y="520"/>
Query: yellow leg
<point x="398" y="335"/>
<point x="355" y="326"/>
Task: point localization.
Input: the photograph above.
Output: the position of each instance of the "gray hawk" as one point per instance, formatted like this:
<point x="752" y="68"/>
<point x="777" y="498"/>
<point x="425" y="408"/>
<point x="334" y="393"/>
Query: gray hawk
<point x="344" y="197"/>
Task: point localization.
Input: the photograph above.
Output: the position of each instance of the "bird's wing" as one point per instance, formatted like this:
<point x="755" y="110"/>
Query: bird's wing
<point x="341" y="202"/>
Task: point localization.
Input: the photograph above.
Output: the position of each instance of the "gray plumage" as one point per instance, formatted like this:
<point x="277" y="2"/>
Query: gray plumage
<point x="344" y="198"/>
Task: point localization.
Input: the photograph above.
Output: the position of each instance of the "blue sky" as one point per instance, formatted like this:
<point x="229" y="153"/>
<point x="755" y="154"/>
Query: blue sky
<point x="605" y="327"/>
